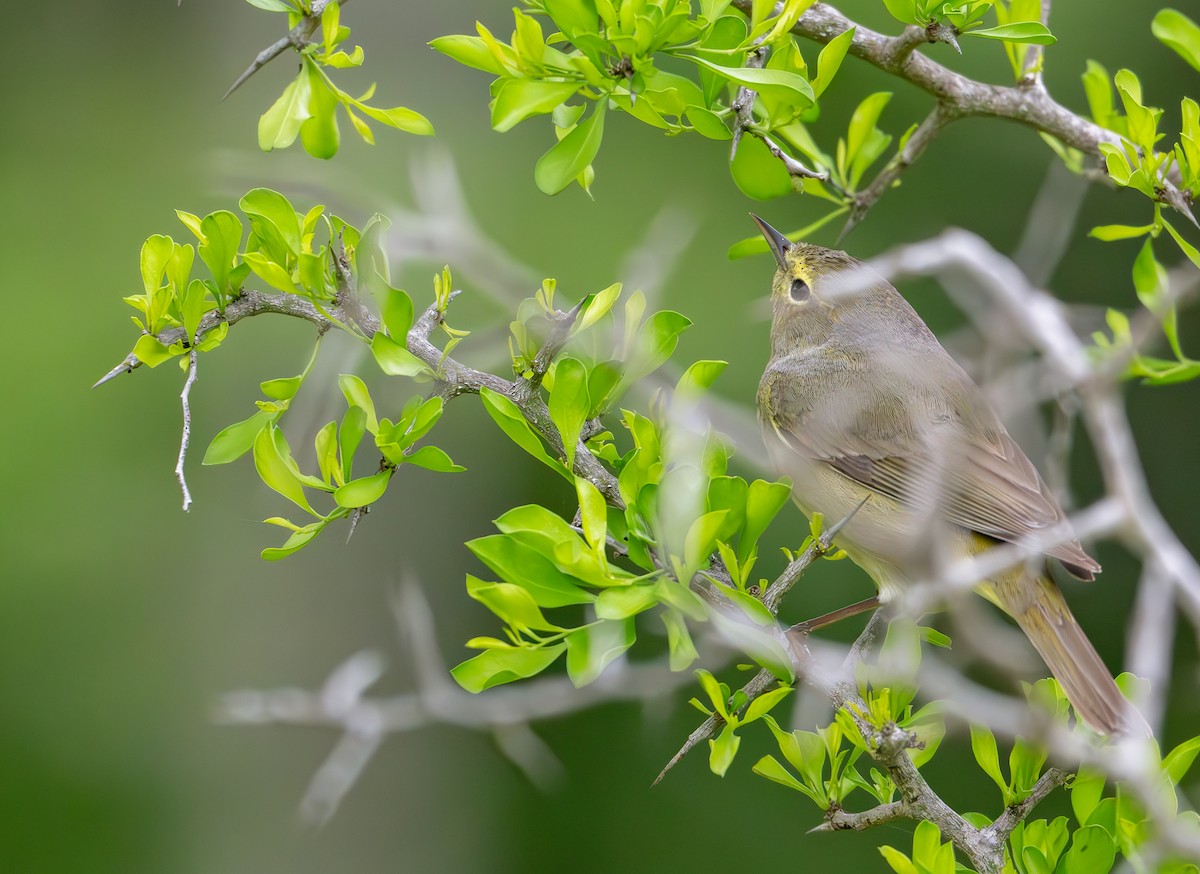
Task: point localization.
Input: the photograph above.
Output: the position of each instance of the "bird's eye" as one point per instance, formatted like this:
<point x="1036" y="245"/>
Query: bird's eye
<point x="799" y="290"/>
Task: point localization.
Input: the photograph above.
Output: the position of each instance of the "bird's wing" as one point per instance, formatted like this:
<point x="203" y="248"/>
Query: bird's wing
<point x="977" y="477"/>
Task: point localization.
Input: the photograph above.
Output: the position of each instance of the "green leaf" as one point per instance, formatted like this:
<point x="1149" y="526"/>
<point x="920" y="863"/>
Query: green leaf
<point x="707" y="123"/>
<point x="573" y="17"/>
<point x="1092" y="850"/>
<point x="722" y="749"/>
<point x="592" y="648"/>
<point x="763" y="704"/>
<point x="830" y="60"/>
<point x="569" y="403"/>
<point x="681" y="649"/>
<point x="758" y="173"/>
<point x="364" y="491"/>
<point x="156" y="252"/>
<point x="764" y="500"/>
<point x="593" y="514"/>
<point x="356" y="394"/>
<point x="272" y="215"/>
<point x="273" y="5"/>
<point x="515" y="562"/>
<point x="471" y="51"/>
<point x="496" y="666"/>
<point x="699" y="376"/>
<point x="904" y="11"/>
<point x="1108" y="233"/>
<point x="151" y="352"/>
<point x="233" y="442"/>
<point x="354" y="425"/>
<point x="983" y="745"/>
<point x="433" y="458"/>
<point x="518" y="99"/>
<point x="769" y="767"/>
<point x="599" y="306"/>
<point x="1030" y="32"/>
<point x="781" y="84"/>
<point x="270" y="272"/>
<point x="299" y="539"/>
<point x="222" y="232"/>
<point x="896" y="860"/>
<point x="279" y="125"/>
<point x="1176" y="763"/>
<point x="510" y="602"/>
<point x="571" y="155"/>
<point x="1086" y="792"/>
<point x="271" y="454"/>
<point x="394" y="359"/>
<point x="396" y="308"/>
<point x="700" y="541"/>
<point x="621" y="602"/>
<point x="319" y="132"/>
<point x="508" y="416"/>
<point x="1178" y="32"/>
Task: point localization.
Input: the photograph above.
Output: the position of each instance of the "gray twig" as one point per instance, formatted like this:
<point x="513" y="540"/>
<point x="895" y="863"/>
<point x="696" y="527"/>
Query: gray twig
<point x="186" y="435"/>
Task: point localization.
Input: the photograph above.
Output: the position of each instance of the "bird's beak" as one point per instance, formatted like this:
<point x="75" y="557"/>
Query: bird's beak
<point x="778" y="242"/>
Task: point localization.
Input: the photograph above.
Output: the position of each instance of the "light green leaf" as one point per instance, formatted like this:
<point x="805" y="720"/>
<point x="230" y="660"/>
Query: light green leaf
<point x="510" y="602"/>
<point x="600" y="304"/>
<point x="279" y="125"/>
<point x="830" y="60"/>
<point x="508" y="416"/>
<point x="233" y="442"/>
<point x="271" y="454"/>
<point x="1108" y="233"/>
<point x="757" y="172"/>
<point x="569" y="403"/>
<point x="319" y="132"/>
<point x="518" y="99"/>
<point x="433" y="458"/>
<point x="356" y="394"/>
<point x="493" y="667"/>
<point x="769" y="767"/>
<point x="1030" y="32"/>
<point x="778" y="83"/>
<point x="593" y="514"/>
<point x="681" y="649"/>
<point x="571" y="155"/>
<point x="364" y="491"/>
<point x="515" y="562"/>
<point x="722" y="750"/>
<point x="394" y="359"/>
<point x="621" y="602"/>
<point x="1178" y="32"/>
<point x="983" y="745"/>
<point x="151" y="352"/>
<point x="471" y="51"/>
<point x="592" y="648"/>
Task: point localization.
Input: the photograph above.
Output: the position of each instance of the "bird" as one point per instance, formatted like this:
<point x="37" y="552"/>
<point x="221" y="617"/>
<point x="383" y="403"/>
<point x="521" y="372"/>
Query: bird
<point x="875" y="423"/>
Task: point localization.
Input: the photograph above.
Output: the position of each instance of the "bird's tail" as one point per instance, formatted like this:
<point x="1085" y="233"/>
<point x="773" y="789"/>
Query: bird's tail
<point x="1042" y="612"/>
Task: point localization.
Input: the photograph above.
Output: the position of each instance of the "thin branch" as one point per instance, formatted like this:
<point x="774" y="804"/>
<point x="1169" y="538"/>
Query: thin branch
<point x="771" y="598"/>
<point x="297" y="38"/>
<point x="921" y="138"/>
<point x="187" y="429"/>
<point x="1015" y="814"/>
<point x="743" y="112"/>
<point x="837" y="819"/>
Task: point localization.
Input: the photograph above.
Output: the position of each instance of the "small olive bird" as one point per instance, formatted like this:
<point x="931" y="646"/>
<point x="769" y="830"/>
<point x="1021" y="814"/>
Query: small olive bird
<point x="872" y="419"/>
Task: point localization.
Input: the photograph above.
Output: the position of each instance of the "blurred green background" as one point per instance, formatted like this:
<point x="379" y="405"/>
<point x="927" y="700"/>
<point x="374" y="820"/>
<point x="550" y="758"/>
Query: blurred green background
<point x="122" y="620"/>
